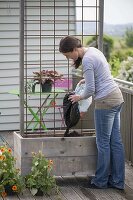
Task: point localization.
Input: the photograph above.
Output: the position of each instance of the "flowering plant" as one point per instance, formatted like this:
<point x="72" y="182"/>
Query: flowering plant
<point x="126" y="70"/>
<point x="47" y="76"/>
<point x="10" y="179"/>
<point x="40" y="179"/>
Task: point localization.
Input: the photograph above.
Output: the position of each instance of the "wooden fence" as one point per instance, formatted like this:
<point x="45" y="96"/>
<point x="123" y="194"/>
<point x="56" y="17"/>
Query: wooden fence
<point x="127" y="123"/>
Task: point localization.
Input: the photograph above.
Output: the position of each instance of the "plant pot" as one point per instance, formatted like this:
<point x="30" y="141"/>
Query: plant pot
<point x="8" y="190"/>
<point x="47" y="86"/>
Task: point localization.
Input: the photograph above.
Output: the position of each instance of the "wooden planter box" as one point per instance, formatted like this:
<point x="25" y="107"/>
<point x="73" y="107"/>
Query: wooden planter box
<point x="71" y="155"/>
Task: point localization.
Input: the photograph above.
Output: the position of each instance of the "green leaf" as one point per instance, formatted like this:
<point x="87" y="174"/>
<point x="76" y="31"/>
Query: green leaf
<point x="36" y="163"/>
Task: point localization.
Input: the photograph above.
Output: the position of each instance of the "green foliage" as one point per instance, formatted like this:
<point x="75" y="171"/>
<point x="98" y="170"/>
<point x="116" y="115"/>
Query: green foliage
<point x="108" y="44"/>
<point x="109" y="41"/>
<point x="9" y="175"/>
<point x="129" y="53"/>
<point x="126" y="70"/>
<point x="116" y="51"/>
<point x="117" y="57"/>
<point x="40" y="177"/>
<point x="129" y="37"/>
<point x="115" y="65"/>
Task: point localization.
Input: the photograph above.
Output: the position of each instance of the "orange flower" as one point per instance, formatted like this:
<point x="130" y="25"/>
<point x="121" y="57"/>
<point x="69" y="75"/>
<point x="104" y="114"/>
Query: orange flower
<point x="3" y="194"/>
<point x="2" y="149"/>
<point x="51" y="162"/>
<point x="14" y="187"/>
<point x="2" y="157"/>
<point x="9" y="150"/>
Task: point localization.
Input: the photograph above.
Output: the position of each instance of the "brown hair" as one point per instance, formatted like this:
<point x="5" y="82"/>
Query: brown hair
<point x="68" y="44"/>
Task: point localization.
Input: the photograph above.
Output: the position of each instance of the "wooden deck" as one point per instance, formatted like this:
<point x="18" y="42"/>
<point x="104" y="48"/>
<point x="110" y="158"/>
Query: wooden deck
<point x="70" y="187"/>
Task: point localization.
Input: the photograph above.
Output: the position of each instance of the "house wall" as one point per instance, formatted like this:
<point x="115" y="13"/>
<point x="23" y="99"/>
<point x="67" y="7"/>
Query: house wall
<point x="9" y="47"/>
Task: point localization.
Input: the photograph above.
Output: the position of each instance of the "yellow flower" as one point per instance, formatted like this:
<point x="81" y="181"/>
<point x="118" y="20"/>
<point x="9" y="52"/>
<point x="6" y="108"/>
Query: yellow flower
<point x="14" y="187"/>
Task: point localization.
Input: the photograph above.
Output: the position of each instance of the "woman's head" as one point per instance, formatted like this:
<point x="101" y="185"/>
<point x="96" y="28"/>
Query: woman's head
<point x="68" y="46"/>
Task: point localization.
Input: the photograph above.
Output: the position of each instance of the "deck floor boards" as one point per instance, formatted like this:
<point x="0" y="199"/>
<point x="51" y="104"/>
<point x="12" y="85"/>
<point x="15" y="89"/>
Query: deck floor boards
<point x="70" y="187"/>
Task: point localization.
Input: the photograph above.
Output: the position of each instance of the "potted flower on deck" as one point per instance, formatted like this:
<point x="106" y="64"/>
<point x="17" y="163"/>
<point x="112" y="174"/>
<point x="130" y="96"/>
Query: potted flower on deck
<point x="10" y="180"/>
<point x="46" y="78"/>
<point x="40" y="180"/>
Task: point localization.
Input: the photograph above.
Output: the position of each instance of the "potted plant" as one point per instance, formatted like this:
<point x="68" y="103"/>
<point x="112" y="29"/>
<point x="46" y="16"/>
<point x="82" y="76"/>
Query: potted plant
<point x="40" y="180"/>
<point x="10" y="180"/>
<point x="46" y="78"/>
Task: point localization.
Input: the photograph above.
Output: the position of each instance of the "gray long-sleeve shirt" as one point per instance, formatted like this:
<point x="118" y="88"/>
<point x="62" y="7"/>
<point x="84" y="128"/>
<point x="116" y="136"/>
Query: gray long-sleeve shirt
<point x="98" y="80"/>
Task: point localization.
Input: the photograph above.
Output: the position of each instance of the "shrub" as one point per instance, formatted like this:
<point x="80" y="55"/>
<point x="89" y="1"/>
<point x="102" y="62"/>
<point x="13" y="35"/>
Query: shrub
<point x="117" y="57"/>
<point x="126" y="70"/>
<point x="108" y="44"/>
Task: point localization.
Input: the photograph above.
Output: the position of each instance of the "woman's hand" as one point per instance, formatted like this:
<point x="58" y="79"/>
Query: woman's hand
<point x="74" y="98"/>
<point x="81" y="82"/>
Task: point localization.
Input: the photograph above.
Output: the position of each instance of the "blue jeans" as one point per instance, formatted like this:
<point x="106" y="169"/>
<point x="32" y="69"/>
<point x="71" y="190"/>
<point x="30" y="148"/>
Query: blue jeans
<point x="110" y="161"/>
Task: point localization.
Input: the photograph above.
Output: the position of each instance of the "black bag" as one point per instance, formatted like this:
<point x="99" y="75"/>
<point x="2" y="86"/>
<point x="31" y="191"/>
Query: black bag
<point x="71" y="113"/>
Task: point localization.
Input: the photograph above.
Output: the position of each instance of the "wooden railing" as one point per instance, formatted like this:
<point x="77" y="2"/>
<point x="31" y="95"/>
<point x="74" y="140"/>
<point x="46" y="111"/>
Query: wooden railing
<point x="127" y="118"/>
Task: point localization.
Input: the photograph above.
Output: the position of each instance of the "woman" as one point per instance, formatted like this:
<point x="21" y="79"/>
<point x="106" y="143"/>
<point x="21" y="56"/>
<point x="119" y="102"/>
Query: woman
<point x="110" y="171"/>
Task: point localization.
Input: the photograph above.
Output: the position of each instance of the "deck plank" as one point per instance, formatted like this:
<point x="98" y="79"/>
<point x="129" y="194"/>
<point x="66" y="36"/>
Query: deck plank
<point x="14" y="197"/>
<point x="115" y="194"/>
<point x="69" y="193"/>
<point x="129" y="182"/>
<point x="60" y="196"/>
<point x="73" y="183"/>
<point x="26" y="195"/>
<point x="129" y="175"/>
<point x="44" y="197"/>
